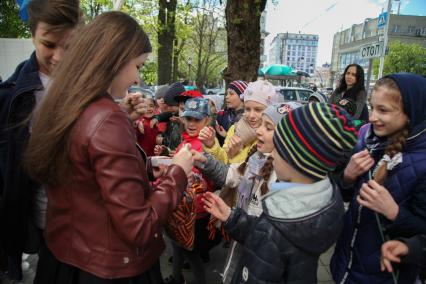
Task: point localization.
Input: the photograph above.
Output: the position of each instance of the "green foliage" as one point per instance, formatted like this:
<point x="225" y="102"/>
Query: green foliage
<point x="208" y="55"/>
<point x="403" y="57"/>
<point x="149" y="73"/>
<point x="92" y="8"/>
<point x="11" y="26"/>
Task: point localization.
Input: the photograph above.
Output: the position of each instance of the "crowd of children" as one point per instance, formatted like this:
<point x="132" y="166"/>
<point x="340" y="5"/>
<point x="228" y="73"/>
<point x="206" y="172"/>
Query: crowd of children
<point x="269" y="176"/>
<point x="279" y="167"/>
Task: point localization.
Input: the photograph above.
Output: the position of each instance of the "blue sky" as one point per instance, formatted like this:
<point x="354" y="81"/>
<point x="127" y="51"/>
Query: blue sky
<point x="326" y="17"/>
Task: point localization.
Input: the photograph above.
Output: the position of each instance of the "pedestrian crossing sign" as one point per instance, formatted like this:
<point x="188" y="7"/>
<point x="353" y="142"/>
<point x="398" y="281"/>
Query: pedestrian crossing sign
<point x="381" y="22"/>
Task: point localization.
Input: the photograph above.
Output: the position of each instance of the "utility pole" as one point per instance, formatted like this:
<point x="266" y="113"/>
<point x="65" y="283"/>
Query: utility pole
<point x="385" y="39"/>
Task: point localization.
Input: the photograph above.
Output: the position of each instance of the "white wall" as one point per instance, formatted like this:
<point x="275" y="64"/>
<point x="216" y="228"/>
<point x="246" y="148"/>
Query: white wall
<point x="12" y="52"/>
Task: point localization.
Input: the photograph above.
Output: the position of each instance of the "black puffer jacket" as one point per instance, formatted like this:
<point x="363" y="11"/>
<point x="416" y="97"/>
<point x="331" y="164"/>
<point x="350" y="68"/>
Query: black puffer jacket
<point x="283" y="245"/>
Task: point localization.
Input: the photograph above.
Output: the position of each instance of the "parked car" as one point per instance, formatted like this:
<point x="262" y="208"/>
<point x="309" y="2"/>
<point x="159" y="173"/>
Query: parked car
<point x="214" y="91"/>
<point x="295" y="94"/>
<point x="318" y="97"/>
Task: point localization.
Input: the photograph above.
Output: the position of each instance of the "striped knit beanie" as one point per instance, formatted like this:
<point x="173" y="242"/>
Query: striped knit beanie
<point x="313" y="138"/>
<point x="239" y="86"/>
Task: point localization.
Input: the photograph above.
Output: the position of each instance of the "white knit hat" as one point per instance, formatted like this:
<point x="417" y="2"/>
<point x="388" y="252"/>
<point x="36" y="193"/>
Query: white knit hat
<point x="261" y="91"/>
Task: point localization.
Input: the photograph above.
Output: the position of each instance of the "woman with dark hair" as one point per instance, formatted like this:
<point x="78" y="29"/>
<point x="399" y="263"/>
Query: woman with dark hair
<point x="104" y="222"/>
<point x="351" y="87"/>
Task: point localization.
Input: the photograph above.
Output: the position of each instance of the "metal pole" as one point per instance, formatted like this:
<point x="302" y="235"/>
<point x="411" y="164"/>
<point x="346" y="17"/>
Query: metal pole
<point x="385" y="40"/>
<point x="370" y="66"/>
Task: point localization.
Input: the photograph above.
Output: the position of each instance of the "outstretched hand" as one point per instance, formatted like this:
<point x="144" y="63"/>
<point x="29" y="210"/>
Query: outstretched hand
<point x="216" y="206"/>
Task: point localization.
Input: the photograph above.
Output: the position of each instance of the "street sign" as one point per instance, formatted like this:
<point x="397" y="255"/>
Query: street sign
<point x="381" y="22"/>
<point x="371" y="50"/>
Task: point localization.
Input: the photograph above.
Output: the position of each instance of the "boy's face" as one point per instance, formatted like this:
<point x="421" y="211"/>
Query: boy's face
<point x="284" y="171"/>
<point x="233" y="101"/>
<point x="193" y="126"/>
<point x="49" y="46"/>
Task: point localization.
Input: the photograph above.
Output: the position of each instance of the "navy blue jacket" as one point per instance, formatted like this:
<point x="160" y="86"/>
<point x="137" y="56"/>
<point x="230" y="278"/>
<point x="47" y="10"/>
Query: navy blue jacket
<point x="228" y="117"/>
<point x="17" y="101"/>
<point x="406" y="183"/>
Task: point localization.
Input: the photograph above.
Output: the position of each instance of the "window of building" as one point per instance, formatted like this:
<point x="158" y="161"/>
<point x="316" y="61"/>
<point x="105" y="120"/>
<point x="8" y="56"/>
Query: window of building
<point x="424" y="31"/>
<point x="396" y="28"/>
<point x="411" y="29"/>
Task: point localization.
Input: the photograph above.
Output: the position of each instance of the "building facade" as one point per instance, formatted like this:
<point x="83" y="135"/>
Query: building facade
<point x="263" y="35"/>
<point x="347" y="43"/>
<point x="298" y="51"/>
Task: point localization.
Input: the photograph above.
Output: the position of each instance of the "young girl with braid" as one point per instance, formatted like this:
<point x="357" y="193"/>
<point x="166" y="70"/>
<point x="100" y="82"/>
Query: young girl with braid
<point x="250" y="179"/>
<point x="385" y="182"/>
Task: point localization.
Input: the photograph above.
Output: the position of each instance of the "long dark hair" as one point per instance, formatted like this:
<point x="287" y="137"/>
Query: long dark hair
<point x="95" y="56"/>
<point x="357" y="88"/>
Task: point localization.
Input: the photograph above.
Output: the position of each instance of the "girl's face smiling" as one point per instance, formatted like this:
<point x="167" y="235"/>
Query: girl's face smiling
<point x="387" y="114"/>
<point x="150" y="107"/>
<point x="253" y="113"/>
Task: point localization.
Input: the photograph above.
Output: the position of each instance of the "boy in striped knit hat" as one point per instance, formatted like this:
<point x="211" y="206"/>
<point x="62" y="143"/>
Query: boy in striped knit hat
<point x="234" y="106"/>
<point x="303" y="212"/>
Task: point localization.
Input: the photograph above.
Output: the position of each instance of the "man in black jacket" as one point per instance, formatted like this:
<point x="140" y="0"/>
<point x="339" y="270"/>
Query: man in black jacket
<point x="22" y="200"/>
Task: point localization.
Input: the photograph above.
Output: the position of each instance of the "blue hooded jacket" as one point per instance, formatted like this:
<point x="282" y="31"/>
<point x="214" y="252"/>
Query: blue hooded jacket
<point x="357" y="254"/>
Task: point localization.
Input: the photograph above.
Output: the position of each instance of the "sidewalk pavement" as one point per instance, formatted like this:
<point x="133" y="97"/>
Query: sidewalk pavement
<point x="213" y="268"/>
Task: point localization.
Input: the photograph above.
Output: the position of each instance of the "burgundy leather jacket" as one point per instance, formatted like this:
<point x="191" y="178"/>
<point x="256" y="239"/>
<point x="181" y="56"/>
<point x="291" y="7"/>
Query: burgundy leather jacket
<point x="108" y="221"/>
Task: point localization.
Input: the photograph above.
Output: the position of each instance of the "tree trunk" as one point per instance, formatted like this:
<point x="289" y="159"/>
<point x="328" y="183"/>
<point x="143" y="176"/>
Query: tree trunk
<point x="243" y="36"/>
<point x="166" y="37"/>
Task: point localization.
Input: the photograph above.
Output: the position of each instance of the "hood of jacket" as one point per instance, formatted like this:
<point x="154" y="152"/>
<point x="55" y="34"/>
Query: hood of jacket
<point x="308" y="215"/>
<point x="413" y="92"/>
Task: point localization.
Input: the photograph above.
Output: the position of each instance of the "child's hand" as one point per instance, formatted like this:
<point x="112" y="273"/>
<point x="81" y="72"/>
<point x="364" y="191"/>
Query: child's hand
<point x="140" y="127"/>
<point x="392" y="252"/>
<point x="158" y="149"/>
<point x="216" y="206"/>
<point x="159" y="171"/>
<point x="206" y="136"/>
<point x="220" y="130"/>
<point x="198" y="157"/>
<point x="184" y="159"/>
<point x="234" y="146"/>
<point x="159" y="139"/>
<point x="153" y="122"/>
<point x="359" y="163"/>
<point x="377" y="198"/>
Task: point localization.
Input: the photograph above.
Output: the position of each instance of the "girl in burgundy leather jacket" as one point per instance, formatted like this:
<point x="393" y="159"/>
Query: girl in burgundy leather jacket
<point x="104" y="222"/>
